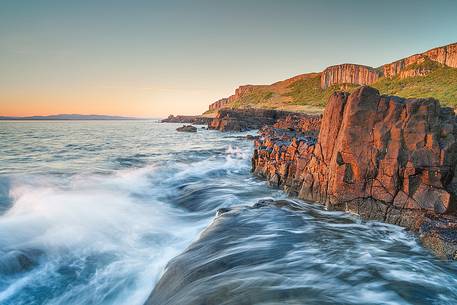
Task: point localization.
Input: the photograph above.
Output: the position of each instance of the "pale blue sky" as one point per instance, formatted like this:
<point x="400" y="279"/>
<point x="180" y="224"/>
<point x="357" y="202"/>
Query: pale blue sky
<point x="152" y="58"/>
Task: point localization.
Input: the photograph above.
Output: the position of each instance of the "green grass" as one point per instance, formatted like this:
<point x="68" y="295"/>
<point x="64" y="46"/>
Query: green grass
<point x="307" y="92"/>
<point x="440" y="84"/>
<point x="257" y="96"/>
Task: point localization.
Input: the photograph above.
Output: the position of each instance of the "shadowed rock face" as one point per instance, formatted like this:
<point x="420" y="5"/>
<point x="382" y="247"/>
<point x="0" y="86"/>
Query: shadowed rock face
<point x="383" y="157"/>
<point x="246" y="119"/>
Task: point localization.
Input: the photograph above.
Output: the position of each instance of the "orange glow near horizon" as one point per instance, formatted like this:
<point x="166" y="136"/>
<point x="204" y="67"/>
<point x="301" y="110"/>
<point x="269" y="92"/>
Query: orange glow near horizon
<point x="122" y="102"/>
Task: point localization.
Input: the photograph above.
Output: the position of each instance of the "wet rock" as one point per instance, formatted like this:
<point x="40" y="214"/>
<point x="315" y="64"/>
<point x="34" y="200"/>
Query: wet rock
<point x="193" y="119"/>
<point x="187" y="128"/>
<point x="251" y="137"/>
<point x="383" y="157"/>
<point x="248" y="119"/>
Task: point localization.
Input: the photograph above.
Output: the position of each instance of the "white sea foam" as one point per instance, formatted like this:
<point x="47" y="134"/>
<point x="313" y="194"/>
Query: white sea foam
<point x="95" y="216"/>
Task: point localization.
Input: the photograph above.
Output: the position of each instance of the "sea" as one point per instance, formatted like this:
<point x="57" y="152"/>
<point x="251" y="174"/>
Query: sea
<point x="91" y="212"/>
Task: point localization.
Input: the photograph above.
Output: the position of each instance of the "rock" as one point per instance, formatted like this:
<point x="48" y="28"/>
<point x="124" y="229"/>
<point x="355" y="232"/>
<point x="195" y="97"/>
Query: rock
<point x="193" y="119"/>
<point x="222" y="103"/>
<point x="383" y="157"/>
<point x="277" y="90"/>
<point x="415" y="65"/>
<point x="349" y="74"/>
<point x="187" y="128"/>
<point x="302" y="123"/>
<point x="225" y="102"/>
<point x="445" y="55"/>
<point x="248" y="119"/>
<point x="251" y="137"/>
<point x="345" y="76"/>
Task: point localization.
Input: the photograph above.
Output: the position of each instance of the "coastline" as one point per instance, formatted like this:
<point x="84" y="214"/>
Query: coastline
<point x="392" y="165"/>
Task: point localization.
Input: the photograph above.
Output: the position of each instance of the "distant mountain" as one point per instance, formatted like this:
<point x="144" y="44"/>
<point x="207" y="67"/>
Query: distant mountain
<point x="429" y="74"/>
<point x="68" y="117"/>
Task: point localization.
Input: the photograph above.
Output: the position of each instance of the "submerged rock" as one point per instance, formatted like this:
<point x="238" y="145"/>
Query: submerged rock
<point x="187" y="128"/>
<point x="382" y="157"/>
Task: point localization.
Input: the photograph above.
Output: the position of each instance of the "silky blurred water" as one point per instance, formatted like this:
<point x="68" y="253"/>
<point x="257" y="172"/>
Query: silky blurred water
<point x="92" y="211"/>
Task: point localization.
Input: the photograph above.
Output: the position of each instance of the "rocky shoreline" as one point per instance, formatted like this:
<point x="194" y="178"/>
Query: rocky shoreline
<point x="384" y="158"/>
<point x="189" y="119"/>
<point x="248" y="119"/>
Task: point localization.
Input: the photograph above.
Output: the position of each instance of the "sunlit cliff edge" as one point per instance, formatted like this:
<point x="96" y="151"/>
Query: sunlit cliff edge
<point x="429" y="74"/>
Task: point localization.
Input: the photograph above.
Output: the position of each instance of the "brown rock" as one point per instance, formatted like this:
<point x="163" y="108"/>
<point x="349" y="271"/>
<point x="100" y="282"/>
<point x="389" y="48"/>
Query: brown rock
<point x="377" y="156"/>
<point x="349" y="74"/>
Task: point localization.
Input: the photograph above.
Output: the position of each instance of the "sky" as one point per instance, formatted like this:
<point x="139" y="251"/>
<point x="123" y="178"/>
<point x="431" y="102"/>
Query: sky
<point x="154" y="58"/>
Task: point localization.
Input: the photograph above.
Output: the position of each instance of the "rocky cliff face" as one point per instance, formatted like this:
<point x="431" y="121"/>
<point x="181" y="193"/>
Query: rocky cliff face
<point x="349" y="74"/>
<point x="446" y="55"/>
<point x="247" y="119"/>
<point x="219" y="104"/>
<point x="406" y="67"/>
<point x="239" y="92"/>
<point x="415" y="65"/>
<point x="383" y="157"/>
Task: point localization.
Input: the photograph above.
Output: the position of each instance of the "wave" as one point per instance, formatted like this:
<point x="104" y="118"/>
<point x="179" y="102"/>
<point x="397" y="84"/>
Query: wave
<point x="105" y="239"/>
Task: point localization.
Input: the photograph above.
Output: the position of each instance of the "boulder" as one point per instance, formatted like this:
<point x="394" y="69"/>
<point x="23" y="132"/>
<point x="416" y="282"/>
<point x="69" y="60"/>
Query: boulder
<point x="187" y="128"/>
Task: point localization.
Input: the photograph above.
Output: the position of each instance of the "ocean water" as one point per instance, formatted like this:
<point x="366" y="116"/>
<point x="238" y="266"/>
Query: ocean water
<point x="91" y="212"/>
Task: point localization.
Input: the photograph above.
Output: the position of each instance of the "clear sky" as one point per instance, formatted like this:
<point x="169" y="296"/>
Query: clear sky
<point x="152" y="58"/>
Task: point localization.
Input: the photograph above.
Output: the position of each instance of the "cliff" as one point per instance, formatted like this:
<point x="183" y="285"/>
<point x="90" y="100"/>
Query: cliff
<point x="278" y="95"/>
<point x="349" y="74"/>
<point x="446" y="55"/>
<point x="382" y="157"/>
<point x="432" y="72"/>
<point x="219" y="104"/>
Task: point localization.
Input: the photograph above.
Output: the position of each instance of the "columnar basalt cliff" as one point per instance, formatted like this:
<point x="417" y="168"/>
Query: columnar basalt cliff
<point x="349" y="74"/>
<point x="382" y="157"/>
<point x="314" y="88"/>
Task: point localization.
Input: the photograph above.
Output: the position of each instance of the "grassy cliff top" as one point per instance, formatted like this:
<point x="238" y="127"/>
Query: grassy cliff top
<point x="304" y="94"/>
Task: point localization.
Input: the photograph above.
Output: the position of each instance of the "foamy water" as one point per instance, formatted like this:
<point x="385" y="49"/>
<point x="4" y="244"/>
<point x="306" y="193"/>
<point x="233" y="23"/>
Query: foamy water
<point x="91" y="213"/>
